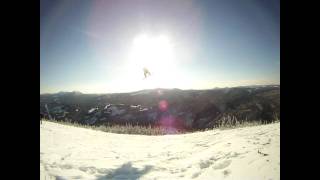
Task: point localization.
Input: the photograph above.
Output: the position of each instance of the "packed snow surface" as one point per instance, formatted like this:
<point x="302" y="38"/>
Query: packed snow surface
<point x="68" y="152"/>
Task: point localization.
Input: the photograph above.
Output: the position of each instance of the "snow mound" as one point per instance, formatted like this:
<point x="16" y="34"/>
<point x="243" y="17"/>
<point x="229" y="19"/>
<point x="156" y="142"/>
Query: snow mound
<point x="68" y="152"/>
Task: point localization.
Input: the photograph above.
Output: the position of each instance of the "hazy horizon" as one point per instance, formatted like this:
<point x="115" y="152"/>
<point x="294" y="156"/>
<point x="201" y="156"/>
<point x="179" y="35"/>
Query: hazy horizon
<point x="158" y="88"/>
<point x="102" y="46"/>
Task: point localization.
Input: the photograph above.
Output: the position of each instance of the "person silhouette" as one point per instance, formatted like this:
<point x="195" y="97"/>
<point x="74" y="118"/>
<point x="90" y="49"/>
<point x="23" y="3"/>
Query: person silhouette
<point x="146" y="72"/>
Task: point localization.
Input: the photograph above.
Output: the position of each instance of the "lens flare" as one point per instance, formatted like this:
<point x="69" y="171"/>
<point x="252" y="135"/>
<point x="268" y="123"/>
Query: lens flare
<point x="163" y="105"/>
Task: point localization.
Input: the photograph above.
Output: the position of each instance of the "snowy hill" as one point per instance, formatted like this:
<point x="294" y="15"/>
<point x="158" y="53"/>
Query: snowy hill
<point x="68" y="152"/>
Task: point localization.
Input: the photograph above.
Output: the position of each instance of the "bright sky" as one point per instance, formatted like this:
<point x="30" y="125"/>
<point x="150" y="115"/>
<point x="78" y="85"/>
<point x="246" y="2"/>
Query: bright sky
<point x="102" y="46"/>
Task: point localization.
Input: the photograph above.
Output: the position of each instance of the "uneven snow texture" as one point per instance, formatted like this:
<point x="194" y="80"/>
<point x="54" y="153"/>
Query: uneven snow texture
<point x="68" y="152"/>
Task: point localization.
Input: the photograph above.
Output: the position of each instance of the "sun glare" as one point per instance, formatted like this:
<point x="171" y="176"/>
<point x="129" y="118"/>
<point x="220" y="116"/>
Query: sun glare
<point x="152" y="51"/>
<point x="156" y="53"/>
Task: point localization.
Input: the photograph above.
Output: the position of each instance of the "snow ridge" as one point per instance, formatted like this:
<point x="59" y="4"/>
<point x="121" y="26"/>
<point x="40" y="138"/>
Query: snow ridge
<point x="68" y="152"/>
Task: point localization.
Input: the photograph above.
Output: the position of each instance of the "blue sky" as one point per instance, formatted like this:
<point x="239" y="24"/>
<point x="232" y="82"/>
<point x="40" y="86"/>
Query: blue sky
<point x="87" y="46"/>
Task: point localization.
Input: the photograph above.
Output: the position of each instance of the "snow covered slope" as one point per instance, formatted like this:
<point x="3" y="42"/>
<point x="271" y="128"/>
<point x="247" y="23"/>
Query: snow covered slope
<point x="68" y="152"/>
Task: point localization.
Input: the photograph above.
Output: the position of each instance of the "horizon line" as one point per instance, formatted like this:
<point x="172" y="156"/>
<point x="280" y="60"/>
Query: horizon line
<point x="160" y="88"/>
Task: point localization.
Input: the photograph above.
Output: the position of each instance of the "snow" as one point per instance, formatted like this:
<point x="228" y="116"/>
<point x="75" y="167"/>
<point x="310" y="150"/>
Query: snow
<point x="107" y="106"/>
<point x="133" y="106"/>
<point x="91" y="110"/>
<point x="68" y="152"/>
<point x="144" y="109"/>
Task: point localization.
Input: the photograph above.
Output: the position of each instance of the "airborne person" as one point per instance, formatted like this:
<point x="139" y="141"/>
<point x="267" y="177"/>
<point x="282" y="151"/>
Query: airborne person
<point x="146" y="72"/>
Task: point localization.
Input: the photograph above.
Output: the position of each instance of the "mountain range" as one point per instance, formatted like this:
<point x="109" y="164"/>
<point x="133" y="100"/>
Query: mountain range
<point x="181" y="109"/>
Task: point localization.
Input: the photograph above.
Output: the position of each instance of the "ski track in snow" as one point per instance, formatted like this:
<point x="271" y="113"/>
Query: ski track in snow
<point x="68" y="152"/>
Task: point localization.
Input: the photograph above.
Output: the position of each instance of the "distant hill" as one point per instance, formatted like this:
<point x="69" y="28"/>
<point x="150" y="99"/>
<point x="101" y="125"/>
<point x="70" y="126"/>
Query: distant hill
<point x="188" y="109"/>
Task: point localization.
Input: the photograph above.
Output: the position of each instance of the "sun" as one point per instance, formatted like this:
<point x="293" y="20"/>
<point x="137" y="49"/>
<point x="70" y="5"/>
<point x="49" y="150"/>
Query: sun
<point x="153" y="52"/>
<point x="156" y="53"/>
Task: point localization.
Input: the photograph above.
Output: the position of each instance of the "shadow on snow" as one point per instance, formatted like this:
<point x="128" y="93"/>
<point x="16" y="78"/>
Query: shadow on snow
<point x="126" y="171"/>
